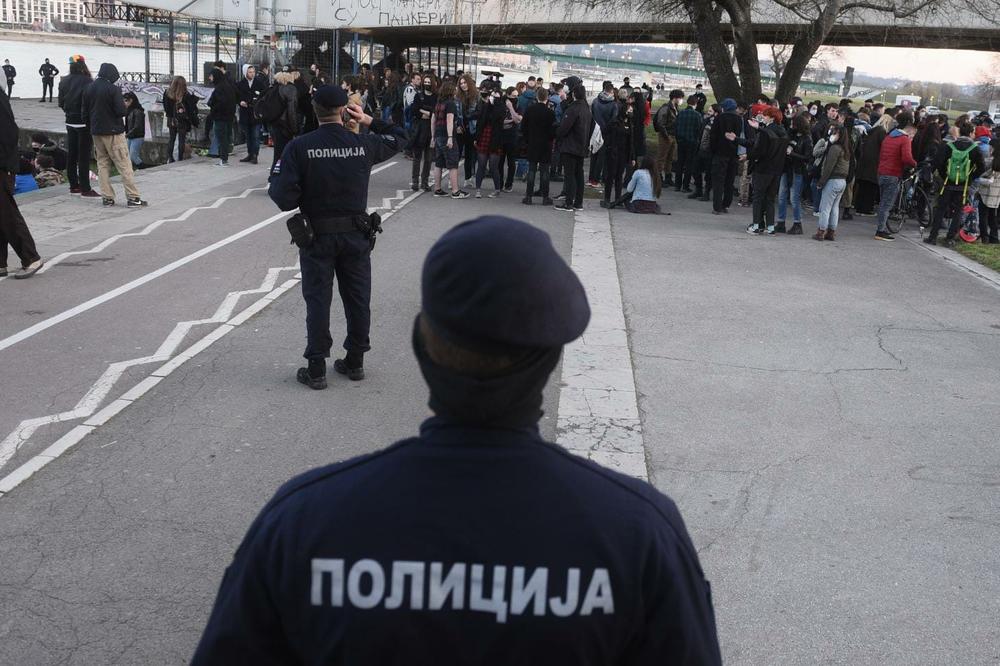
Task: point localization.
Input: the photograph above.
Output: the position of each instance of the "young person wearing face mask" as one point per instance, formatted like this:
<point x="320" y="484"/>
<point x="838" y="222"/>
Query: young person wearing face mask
<point x="511" y="123"/>
<point x="424" y="104"/>
<point x="833" y="180"/>
<point x="617" y="149"/>
<point x="489" y="137"/>
<point x="797" y="158"/>
<point x="767" y="157"/>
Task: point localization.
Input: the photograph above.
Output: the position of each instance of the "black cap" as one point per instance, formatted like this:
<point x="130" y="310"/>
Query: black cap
<point x="330" y="97"/>
<point x="495" y="283"/>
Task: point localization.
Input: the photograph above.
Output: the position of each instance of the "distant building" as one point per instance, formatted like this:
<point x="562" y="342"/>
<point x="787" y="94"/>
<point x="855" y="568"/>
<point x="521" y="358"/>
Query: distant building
<point x="41" y="12"/>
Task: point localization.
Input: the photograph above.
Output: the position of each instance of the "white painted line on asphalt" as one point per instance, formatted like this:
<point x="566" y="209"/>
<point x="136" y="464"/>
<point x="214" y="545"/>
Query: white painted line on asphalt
<point x="598" y="411"/>
<point x="104" y="384"/>
<point x="134" y="284"/>
<point x="74" y="436"/>
<point x="145" y="231"/>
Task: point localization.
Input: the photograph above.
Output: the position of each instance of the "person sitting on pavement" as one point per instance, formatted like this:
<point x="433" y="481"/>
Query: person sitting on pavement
<point x="645" y="188"/>
<point x="476" y="541"/>
<point x="42" y="144"/>
<point x="24" y="179"/>
<point x="47" y="175"/>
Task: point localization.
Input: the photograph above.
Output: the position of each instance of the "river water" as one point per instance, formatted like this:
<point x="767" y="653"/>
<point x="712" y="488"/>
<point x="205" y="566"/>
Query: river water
<point x="27" y="57"/>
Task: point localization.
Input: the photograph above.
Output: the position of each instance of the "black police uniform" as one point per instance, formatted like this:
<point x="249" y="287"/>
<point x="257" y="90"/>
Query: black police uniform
<point x="325" y="174"/>
<point x="476" y="542"/>
<point x="48" y="72"/>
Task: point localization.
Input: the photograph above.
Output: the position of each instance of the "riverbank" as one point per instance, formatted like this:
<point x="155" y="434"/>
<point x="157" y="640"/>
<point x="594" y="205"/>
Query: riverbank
<point x="7" y="34"/>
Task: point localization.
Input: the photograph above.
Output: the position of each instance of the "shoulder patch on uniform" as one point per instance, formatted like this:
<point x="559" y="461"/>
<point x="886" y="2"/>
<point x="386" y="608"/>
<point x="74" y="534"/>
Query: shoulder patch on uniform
<point x="277" y="168"/>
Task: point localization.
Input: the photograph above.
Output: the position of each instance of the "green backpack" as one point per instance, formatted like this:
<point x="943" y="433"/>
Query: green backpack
<point x="959" y="165"/>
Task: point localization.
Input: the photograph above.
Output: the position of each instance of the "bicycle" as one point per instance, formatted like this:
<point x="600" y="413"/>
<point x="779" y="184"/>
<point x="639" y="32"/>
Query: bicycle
<point x="907" y="201"/>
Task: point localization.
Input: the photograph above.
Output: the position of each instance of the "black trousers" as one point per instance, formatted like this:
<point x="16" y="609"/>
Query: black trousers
<point x="542" y="169"/>
<point x="422" y="155"/>
<point x="469" y="153"/>
<point x="79" y="147"/>
<point x="573" y="187"/>
<point x="346" y="257"/>
<point x="13" y="230"/>
<point x="47" y="85"/>
<point x="597" y="162"/>
<point x="765" y="191"/>
<point x="723" y="173"/>
<point x="949" y="203"/>
<point x="988" y="222"/>
<point x="684" y="166"/>
<point x="180" y="136"/>
<point x="866" y="197"/>
<point x="280" y="137"/>
<point x="614" y="170"/>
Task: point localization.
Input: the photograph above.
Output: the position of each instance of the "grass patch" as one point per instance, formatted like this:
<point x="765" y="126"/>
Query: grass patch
<point x="987" y="255"/>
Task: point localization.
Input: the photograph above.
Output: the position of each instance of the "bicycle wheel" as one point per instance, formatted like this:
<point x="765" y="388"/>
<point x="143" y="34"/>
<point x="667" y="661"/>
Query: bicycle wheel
<point x="894" y="222"/>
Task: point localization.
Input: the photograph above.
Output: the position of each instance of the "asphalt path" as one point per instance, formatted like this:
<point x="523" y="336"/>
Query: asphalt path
<point x="825" y="415"/>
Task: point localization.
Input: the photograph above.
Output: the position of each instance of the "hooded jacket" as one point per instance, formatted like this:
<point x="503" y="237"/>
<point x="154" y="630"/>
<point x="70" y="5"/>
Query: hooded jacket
<point x="768" y="151"/>
<point x="574" y="130"/>
<point x="103" y="107"/>
<point x="223" y="100"/>
<point x="135" y="122"/>
<point x="8" y="136"/>
<point x="604" y="110"/>
<point x="71" y="97"/>
<point x="895" y="154"/>
<point x="976" y="163"/>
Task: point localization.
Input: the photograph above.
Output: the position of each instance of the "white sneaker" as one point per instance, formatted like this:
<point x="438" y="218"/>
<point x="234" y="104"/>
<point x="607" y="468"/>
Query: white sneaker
<point x="29" y="270"/>
<point x="479" y="194"/>
<point x="494" y="194"/>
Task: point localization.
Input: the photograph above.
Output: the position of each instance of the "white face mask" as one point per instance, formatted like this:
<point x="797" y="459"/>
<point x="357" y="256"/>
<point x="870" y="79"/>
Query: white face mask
<point x="813" y="110"/>
<point x="834" y="137"/>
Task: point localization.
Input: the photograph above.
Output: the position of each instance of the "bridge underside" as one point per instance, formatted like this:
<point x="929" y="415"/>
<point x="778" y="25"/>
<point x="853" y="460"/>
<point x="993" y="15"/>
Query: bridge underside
<point x="676" y="33"/>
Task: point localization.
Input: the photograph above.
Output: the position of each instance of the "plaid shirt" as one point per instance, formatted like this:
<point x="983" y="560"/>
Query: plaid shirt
<point x="688" y="125"/>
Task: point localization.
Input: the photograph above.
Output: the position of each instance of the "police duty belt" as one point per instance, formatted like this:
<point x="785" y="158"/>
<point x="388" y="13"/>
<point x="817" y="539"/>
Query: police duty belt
<point x="303" y="230"/>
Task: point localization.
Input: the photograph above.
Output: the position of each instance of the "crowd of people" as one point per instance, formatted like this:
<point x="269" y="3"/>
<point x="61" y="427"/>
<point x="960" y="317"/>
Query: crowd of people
<point x="786" y="159"/>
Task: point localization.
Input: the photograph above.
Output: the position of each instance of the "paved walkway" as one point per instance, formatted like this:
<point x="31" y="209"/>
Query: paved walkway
<point x="825" y="414"/>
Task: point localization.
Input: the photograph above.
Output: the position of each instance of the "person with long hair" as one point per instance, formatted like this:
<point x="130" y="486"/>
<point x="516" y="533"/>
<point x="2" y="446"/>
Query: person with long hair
<point x="284" y="128"/>
<point x="793" y="177"/>
<point x="832" y="180"/>
<point x="645" y="187"/>
<point x="447" y="122"/>
<point x="926" y="145"/>
<point x="468" y="98"/>
<point x="617" y="149"/>
<point x="79" y="142"/>
<point x="180" y="106"/>
<point x="489" y="139"/>
<point x="511" y="134"/>
<point x="391" y="98"/>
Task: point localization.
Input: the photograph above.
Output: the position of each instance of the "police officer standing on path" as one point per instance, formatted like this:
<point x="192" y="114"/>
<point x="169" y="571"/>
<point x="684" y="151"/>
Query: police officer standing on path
<point x="476" y="542"/>
<point x="325" y="175"/>
<point x="48" y="72"/>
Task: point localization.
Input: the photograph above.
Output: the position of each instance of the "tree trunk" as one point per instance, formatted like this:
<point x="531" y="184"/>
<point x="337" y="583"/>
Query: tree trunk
<point x="805" y="48"/>
<point x="803" y="51"/>
<point x="745" y="49"/>
<point x="713" y="49"/>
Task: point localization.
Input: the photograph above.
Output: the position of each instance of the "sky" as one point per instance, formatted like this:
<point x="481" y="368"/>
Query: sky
<point x="939" y="65"/>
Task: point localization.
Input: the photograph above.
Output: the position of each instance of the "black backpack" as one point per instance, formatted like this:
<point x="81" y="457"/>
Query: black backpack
<point x="270" y="106"/>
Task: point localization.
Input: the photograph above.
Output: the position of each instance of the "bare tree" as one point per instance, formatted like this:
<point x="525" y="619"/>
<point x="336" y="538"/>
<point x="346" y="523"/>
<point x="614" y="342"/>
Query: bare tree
<point x="988" y="86"/>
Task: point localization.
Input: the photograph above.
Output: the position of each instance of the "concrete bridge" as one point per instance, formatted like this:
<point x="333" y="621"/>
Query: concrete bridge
<point x="447" y="22"/>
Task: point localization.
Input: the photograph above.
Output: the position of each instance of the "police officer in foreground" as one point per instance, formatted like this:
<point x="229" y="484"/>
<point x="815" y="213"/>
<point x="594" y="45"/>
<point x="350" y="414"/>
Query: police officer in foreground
<point x="325" y="175"/>
<point x="475" y="542"/>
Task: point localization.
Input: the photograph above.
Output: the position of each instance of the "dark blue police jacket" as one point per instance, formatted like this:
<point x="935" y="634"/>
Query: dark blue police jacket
<point x="325" y="173"/>
<point x="464" y="546"/>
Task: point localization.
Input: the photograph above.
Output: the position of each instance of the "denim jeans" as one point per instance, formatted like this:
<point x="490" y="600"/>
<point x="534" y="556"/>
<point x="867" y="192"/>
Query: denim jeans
<point x="790" y="189"/>
<point x="134" y="146"/>
<point x="829" y="207"/>
<point x="888" y="187"/>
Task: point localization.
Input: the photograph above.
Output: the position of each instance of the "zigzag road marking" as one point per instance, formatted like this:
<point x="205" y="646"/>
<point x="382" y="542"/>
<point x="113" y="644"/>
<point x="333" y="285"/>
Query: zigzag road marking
<point x="89" y="403"/>
<point x="86" y="408"/>
<point x="150" y="228"/>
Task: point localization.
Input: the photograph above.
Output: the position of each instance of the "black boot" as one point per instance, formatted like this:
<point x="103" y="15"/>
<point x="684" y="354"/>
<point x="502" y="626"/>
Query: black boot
<point x="668" y="179"/>
<point x="779" y="228"/>
<point x="352" y="365"/>
<point x="314" y="376"/>
<point x="796" y="229"/>
<point x="695" y="195"/>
